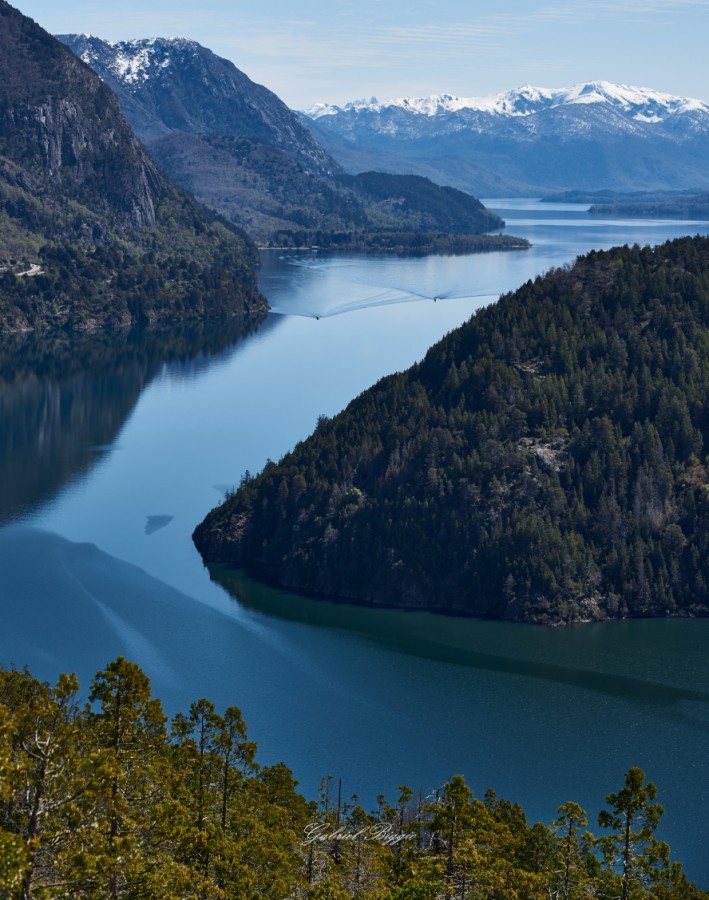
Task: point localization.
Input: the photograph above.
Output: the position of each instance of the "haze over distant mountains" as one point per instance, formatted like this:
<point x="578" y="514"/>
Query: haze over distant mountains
<point x="238" y="148"/>
<point x="590" y="137"/>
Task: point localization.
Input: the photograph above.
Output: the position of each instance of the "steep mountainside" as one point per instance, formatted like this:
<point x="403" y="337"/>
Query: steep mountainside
<point x="546" y="462"/>
<point x="595" y="135"/>
<point x="240" y="150"/>
<point x="176" y="85"/>
<point x="91" y="232"/>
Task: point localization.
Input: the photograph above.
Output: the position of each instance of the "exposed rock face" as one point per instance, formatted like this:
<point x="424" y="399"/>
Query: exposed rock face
<point x="93" y="233"/>
<point x="171" y="85"/>
<point x="66" y="129"/>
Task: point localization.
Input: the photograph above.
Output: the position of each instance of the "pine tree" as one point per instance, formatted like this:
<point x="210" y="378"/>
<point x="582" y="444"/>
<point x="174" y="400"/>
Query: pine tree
<point x="632" y="851"/>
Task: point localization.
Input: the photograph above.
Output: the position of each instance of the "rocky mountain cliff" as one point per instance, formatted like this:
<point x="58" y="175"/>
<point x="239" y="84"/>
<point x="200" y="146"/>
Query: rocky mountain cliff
<point x="53" y="129"/>
<point x="91" y="232"/>
<point x="592" y="136"/>
<point x="176" y="85"/>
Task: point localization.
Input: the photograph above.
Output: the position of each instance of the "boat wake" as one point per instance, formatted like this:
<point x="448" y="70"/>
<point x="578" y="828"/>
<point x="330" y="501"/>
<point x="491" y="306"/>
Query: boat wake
<point x="323" y="306"/>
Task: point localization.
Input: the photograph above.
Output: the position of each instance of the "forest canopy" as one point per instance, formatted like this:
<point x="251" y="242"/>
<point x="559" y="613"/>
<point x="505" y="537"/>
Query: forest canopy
<point x="545" y="462"/>
<point x="109" y="799"/>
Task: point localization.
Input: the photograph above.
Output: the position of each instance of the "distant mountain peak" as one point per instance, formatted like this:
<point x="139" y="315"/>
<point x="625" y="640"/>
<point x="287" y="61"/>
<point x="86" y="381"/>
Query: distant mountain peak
<point x="527" y="141"/>
<point x="647" y="105"/>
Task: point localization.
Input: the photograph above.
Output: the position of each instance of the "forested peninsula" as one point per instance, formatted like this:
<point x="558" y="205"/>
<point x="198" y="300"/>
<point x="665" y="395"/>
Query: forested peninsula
<point x="110" y="799"/>
<point x="546" y="462"/>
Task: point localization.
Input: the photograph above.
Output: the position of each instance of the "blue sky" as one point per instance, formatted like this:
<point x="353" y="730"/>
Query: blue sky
<point x="333" y="50"/>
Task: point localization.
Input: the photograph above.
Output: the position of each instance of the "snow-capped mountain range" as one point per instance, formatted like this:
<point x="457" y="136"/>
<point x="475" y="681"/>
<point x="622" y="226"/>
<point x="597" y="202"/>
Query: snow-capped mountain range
<point x="239" y="149"/>
<point x="643" y="104"/>
<point x="589" y="137"/>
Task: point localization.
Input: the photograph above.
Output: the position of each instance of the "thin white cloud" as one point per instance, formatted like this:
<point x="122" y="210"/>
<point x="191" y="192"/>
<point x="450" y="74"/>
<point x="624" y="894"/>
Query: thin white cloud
<point x="318" y="49"/>
<point x="580" y="12"/>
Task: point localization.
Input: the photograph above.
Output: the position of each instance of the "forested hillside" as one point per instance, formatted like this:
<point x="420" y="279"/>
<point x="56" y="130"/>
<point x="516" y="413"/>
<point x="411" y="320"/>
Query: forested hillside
<point x="692" y="206"/>
<point x="546" y="462"/>
<point x="239" y="149"/>
<point x="112" y="800"/>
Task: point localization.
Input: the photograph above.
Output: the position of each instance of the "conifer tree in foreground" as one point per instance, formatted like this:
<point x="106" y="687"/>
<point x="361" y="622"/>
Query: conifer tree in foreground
<point x="103" y="800"/>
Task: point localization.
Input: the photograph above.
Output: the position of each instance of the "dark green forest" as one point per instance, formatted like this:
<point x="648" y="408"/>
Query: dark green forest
<point x="401" y="243"/>
<point x="683" y="207"/>
<point x="109" y="799"/>
<point x="545" y="462"/>
<point x="380" y="213"/>
<point x="189" y="266"/>
<point x="280" y="205"/>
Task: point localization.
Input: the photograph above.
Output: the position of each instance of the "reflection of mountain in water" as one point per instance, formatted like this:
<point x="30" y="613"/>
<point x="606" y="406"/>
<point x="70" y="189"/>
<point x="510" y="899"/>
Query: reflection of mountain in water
<point x="64" y="397"/>
<point x="474" y="644"/>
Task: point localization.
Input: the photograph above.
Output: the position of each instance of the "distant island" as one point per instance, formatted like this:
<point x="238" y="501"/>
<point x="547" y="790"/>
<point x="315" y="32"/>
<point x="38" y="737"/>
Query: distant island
<point x="640" y="204"/>
<point x="693" y="207"/>
<point x="545" y="462"/>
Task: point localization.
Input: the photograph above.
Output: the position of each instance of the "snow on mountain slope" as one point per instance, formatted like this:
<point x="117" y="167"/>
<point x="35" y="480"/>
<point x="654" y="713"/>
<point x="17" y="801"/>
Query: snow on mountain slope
<point x="643" y="104"/>
<point x="169" y="85"/>
<point x="134" y="61"/>
<point x="588" y="137"/>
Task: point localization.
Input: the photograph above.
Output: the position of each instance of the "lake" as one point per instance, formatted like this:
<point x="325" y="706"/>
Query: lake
<point x="115" y="446"/>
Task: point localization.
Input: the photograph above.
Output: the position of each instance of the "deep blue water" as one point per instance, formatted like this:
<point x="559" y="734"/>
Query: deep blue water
<point x="114" y="450"/>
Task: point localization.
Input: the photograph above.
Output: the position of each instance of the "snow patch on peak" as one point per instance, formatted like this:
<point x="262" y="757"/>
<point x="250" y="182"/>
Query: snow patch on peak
<point x="136" y="66"/>
<point x="135" y="61"/>
<point x="322" y="109"/>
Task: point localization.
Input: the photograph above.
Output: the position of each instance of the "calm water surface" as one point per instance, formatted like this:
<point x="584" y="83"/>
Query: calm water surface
<point x="113" y="449"/>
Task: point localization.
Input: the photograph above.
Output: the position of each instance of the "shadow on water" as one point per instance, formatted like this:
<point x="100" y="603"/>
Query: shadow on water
<point x="68" y="606"/>
<point x="65" y="397"/>
<point x="458" y="641"/>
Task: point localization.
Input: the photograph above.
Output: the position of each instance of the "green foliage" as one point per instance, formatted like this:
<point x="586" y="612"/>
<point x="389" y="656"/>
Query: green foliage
<point x="548" y="461"/>
<point x="684" y="206"/>
<point x="401" y="243"/>
<point x="281" y="205"/>
<point x="631" y="849"/>
<point x="104" y="801"/>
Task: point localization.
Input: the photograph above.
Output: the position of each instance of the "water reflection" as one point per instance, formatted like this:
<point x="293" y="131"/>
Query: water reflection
<point x="65" y="397"/>
<point x="467" y="643"/>
<point x="156" y="523"/>
<point x="379" y="696"/>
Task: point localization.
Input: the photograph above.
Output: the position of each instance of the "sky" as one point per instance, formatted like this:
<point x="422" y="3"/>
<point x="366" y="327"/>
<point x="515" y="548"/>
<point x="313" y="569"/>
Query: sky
<point x="309" y="51"/>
